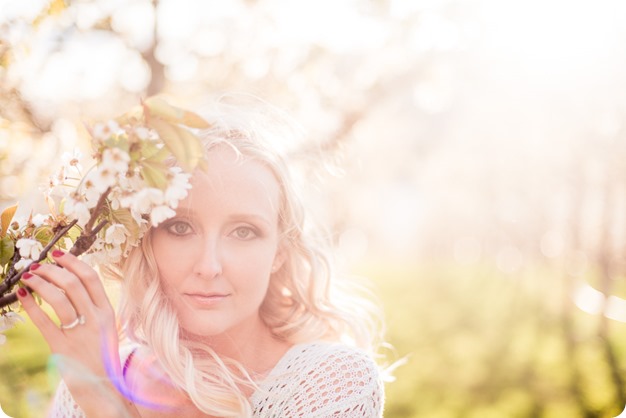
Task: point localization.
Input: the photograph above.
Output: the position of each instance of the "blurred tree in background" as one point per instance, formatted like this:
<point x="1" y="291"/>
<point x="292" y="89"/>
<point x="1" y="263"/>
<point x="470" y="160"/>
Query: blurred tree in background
<point x="475" y="153"/>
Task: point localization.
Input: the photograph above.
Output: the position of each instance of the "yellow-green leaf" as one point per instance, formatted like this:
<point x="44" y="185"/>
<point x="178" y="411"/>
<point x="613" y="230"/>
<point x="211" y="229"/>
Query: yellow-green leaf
<point x="43" y="234"/>
<point x="74" y="233"/>
<point x="6" y="218"/>
<point x="150" y="151"/>
<point x="193" y="149"/>
<point x="184" y="145"/>
<point x="158" y="107"/>
<point x="7" y="250"/>
<point x="131" y="117"/>
<point x="154" y="174"/>
<point x="124" y="217"/>
<point x="118" y="141"/>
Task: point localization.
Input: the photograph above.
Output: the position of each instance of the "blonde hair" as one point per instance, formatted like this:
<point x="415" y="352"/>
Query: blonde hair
<point x="302" y="302"/>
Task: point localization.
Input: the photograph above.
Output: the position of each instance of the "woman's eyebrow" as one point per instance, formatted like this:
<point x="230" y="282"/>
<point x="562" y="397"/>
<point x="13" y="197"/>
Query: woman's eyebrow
<point x="182" y="210"/>
<point x="250" y="217"/>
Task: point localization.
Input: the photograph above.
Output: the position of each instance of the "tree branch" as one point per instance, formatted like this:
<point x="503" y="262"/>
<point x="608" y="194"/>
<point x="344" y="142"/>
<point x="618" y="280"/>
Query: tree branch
<point x="12" y="280"/>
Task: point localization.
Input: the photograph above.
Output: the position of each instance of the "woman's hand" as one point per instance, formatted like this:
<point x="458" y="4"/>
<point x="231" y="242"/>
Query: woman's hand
<point x="86" y="342"/>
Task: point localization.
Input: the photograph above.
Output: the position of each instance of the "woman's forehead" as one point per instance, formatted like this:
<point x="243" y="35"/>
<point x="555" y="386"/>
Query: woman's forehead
<point x="235" y="179"/>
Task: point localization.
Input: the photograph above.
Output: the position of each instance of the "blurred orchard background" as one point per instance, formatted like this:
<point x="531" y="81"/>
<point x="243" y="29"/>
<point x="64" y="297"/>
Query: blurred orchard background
<point x="478" y="155"/>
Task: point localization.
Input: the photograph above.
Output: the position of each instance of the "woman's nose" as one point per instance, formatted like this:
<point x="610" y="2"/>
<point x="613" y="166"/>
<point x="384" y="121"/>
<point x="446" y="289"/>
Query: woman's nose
<point x="209" y="261"/>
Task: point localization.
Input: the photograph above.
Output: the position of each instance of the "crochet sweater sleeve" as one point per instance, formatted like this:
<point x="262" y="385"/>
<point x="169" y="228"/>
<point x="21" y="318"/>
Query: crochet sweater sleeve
<point x="63" y="405"/>
<point x="321" y="380"/>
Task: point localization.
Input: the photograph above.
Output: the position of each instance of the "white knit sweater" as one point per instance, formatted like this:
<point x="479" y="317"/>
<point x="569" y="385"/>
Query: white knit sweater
<point x="312" y="380"/>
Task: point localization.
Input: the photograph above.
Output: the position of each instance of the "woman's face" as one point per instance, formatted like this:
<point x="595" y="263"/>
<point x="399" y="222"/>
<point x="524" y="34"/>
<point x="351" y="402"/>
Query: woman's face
<point x="216" y="255"/>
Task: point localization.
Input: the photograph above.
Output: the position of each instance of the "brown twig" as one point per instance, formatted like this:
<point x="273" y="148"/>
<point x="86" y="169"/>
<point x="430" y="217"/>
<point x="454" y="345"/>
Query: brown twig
<point x="16" y="258"/>
<point x="96" y="211"/>
<point x="85" y="241"/>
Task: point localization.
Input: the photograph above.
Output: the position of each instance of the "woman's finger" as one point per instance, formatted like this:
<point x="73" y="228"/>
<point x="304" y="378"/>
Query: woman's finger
<point x="86" y="274"/>
<point x="69" y="288"/>
<point x="42" y="321"/>
<point x="56" y="298"/>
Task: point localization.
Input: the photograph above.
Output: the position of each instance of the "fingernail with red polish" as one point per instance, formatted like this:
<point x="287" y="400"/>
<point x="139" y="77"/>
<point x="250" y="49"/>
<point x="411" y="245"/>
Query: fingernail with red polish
<point x="57" y="253"/>
<point x="34" y="266"/>
<point x="21" y="292"/>
<point x="26" y="276"/>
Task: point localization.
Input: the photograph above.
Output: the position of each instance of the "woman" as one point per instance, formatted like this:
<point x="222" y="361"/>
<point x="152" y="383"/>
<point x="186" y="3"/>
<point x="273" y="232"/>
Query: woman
<point x="229" y="308"/>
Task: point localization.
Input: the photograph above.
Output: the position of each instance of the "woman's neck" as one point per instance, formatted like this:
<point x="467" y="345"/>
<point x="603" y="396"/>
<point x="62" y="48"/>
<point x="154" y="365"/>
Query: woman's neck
<point x="254" y="346"/>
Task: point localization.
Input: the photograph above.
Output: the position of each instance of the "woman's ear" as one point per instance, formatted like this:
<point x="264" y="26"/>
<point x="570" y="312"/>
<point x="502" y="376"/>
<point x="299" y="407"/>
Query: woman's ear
<point x="279" y="259"/>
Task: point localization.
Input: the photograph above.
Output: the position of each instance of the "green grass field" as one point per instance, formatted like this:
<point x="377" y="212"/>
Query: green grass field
<point x="478" y="344"/>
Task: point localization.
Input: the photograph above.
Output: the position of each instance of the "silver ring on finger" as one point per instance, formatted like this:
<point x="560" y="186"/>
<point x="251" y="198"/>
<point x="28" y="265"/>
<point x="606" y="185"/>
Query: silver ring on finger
<point x="80" y="320"/>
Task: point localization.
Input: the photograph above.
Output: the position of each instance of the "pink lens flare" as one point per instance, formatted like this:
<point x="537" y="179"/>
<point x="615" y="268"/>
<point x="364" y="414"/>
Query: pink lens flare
<point x="69" y="368"/>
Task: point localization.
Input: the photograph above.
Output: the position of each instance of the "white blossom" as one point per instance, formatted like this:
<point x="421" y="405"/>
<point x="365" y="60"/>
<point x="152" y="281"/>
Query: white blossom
<point x="132" y="182"/>
<point x="91" y="193"/>
<point x="115" y="160"/>
<point x="22" y="264"/>
<point x="95" y="258"/>
<point x="103" y="131"/>
<point x="98" y="245"/>
<point x="38" y="219"/>
<point x="71" y="161"/>
<point x="109" y="172"/>
<point x="55" y="188"/>
<point x="56" y="185"/>
<point x="77" y="209"/>
<point x="116" y="234"/>
<point x="97" y="253"/>
<point x="146" y="198"/>
<point x="178" y="187"/>
<point x="161" y="213"/>
<point x="124" y="195"/>
<point x="144" y="133"/>
<point x="29" y="248"/>
<point x="9" y="319"/>
<point x="102" y="178"/>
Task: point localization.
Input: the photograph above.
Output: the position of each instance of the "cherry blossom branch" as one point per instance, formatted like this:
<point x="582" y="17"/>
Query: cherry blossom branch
<point x="89" y="234"/>
<point x="16" y="258"/>
<point x="82" y="244"/>
<point x="86" y="240"/>
<point x="12" y="281"/>
<point x="131" y="153"/>
<point x="96" y="211"/>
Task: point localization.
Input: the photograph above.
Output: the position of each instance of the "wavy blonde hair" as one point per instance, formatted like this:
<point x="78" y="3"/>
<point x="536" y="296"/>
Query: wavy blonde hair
<point x="303" y="302"/>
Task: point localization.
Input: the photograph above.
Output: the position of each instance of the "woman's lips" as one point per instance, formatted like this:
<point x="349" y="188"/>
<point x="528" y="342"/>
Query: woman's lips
<point x="201" y="299"/>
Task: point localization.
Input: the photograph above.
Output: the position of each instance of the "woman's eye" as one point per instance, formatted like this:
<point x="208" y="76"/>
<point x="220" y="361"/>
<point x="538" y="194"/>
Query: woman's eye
<point x="179" y="228"/>
<point x="244" y="233"/>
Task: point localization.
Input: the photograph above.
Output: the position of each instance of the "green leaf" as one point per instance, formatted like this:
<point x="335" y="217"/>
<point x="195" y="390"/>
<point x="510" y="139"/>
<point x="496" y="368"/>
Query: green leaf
<point x="7" y="249"/>
<point x="124" y="217"/>
<point x="150" y="151"/>
<point x="154" y="174"/>
<point x="158" y="107"/>
<point x="74" y="233"/>
<point x="118" y="141"/>
<point x="44" y="234"/>
<point x="184" y="145"/>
